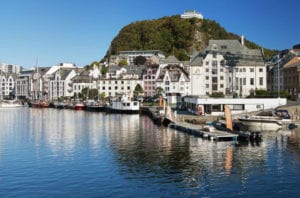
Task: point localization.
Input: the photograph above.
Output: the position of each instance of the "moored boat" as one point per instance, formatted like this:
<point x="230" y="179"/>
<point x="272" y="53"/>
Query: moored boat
<point x="124" y="104"/>
<point x="267" y="120"/>
<point x="59" y="105"/>
<point x="95" y="107"/>
<point x="11" y="104"/>
<point x="39" y="104"/>
<point x="79" y="106"/>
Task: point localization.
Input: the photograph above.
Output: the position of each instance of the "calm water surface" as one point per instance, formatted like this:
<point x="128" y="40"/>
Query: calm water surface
<point x="65" y="153"/>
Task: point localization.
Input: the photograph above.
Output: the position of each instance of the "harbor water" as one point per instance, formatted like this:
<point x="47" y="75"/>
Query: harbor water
<point x="67" y="153"/>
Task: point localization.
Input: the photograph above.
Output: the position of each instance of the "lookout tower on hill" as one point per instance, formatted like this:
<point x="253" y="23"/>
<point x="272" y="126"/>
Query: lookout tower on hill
<point x="191" y="14"/>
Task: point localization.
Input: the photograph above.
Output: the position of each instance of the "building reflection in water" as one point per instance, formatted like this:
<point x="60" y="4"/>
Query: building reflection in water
<point x="144" y="150"/>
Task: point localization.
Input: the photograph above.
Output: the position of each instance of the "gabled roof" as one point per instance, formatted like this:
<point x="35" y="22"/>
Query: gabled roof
<point x="294" y="62"/>
<point x="171" y="59"/>
<point x="174" y="72"/>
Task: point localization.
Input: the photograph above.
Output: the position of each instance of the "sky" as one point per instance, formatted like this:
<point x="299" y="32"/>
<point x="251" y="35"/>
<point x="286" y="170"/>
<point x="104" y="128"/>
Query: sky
<point x="49" y="32"/>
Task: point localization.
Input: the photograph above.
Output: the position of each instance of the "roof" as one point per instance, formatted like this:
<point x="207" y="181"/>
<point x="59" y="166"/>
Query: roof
<point x="294" y="62"/>
<point x="233" y="52"/>
<point x="171" y="59"/>
<point x="174" y="71"/>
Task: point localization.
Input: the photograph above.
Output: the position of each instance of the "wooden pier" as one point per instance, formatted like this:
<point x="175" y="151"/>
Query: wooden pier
<point x="196" y="130"/>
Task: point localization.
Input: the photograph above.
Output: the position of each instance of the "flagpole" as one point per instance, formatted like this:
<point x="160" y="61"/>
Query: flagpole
<point x="278" y="77"/>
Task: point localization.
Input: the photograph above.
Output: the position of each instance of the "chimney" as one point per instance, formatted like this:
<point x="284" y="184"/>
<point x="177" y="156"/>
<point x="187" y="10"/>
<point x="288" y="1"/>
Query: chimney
<point x="242" y="40"/>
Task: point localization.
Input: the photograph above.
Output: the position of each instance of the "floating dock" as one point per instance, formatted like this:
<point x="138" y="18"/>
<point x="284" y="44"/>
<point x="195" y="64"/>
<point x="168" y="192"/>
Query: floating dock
<point x="195" y="130"/>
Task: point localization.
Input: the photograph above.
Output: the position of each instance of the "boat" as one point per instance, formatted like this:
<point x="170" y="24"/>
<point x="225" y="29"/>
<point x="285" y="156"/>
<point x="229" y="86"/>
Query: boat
<point x="272" y="120"/>
<point x="11" y="104"/>
<point x="79" y="106"/>
<point x="39" y="104"/>
<point x="95" y="107"/>
<point x="123" y="104"/>
<point x="59" y="105"/>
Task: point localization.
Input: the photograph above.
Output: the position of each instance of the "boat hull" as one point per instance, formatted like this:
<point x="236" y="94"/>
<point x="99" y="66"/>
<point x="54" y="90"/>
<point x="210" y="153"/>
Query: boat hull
<point x="264" y="125"/>
<point x="124" y="111"/>
<point x="39" y="105"/>
<point x="95" y="108"/>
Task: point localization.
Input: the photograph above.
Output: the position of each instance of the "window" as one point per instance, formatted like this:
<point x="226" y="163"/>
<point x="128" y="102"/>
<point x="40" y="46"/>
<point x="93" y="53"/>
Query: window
<point x="167" y="83"/>
<point x="207" y="77"/>
<point x="214" y="71"/>
<point x="261" y="81"/>
<point x="128" y="88"/>
<point x="251" y="81"/>
<point x="261" y="69"/>
<point x="221" y="86"/>
<point x="116" y="87"/>
<point x="214" y="79"/>
<point x="244" y="69"/>
<point x="167" y="89"/>
<point x="221" y="77"/>
<point x="214" y="63"/>
<point x="207" y="70"/>
<point x="214" y="55"/>
<point x="207" y="85"/>
<point x="215" y="87"/>
<point x="251" y="69"/>
<point x="244" y="81"/>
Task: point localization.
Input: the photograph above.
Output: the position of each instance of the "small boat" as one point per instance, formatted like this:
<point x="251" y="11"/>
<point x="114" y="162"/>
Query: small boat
<point x="11" y="104"/>
<point x="59" y="105"/>
<point x="79" y="106"/>
<point x="124" y="104"/>
<point x="267" y="120"/>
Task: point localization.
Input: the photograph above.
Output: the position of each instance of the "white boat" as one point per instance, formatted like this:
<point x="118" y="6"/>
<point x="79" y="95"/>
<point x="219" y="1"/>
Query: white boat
<point x="11" y="104"/>
<point x="267" y="120"/>
<point x="124" y="104"/>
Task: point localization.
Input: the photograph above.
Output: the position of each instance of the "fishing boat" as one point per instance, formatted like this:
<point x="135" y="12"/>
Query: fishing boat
<point x="267" y="120"/>
<point x="123" y="104"/>
<point x="11" y="104"/>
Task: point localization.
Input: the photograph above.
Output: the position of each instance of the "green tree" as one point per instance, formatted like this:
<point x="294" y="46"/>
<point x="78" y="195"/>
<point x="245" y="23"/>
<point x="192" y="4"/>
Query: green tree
<point x="159" y="91"/>
<point x="138" y="90"/>
<point x="103" y="70"/>
<point x="93" y="94"/>
<point x="139" y="60"/>
<point x="102" y="96"/>
<point x="123" y="63"/>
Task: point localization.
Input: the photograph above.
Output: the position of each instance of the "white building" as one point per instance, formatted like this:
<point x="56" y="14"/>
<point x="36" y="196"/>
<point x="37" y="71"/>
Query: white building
<point x="7" y="85"/>
<point x="60" y="84"/>
<point x="173" y="79"/>
<point x="121" y="80"/>
<point x="191" y="14"/>
<point x="23" y="84"/>
<point x="10" y="68"/>
<point x="228" y="66"/>
<point x="129" y="56"/>
<point x="215" y="106"/>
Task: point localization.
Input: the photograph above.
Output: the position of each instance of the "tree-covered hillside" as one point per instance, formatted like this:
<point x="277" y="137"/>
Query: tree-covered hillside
<point x="173" y="35"/>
